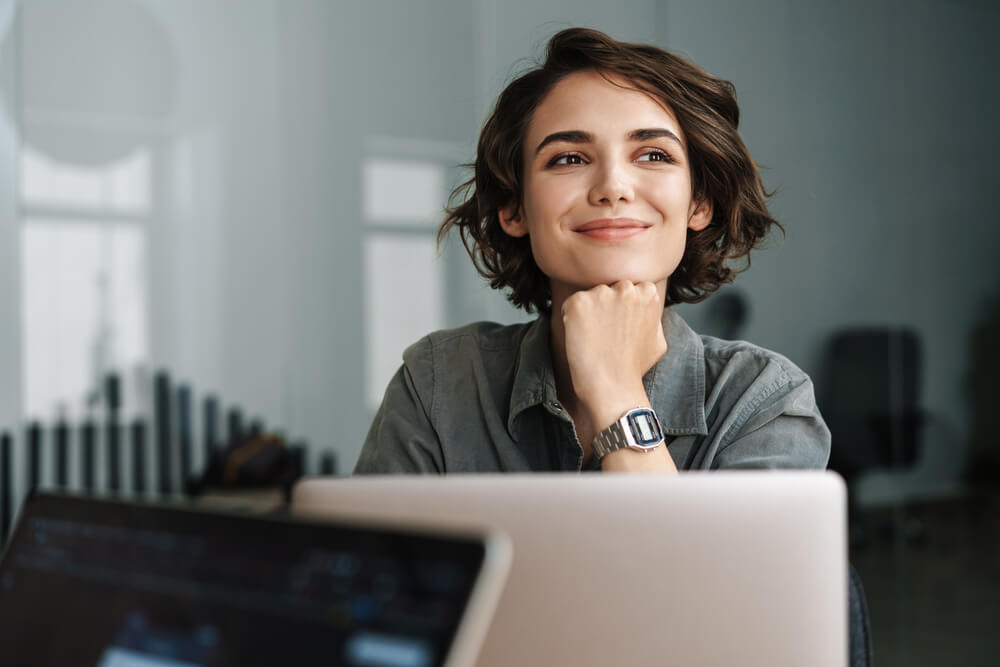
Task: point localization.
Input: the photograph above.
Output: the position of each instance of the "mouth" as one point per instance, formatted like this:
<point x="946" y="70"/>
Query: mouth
<point x="608" y="229"/>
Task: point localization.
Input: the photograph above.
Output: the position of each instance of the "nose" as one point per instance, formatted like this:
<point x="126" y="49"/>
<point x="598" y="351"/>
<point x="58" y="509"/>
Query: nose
<point x="611" y="185"/>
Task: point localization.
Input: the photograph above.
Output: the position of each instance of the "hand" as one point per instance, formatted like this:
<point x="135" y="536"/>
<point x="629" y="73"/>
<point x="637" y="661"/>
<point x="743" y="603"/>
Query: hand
<point x="614" y="335"/>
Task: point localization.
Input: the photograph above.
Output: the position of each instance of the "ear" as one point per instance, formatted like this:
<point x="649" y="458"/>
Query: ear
<point x="512" y="221"/>
<point x="700" y="214"/>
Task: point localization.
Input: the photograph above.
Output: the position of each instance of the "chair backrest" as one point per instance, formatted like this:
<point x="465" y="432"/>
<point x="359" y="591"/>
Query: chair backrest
<point x="870" y="395"/>
<point x="860" y="648"/>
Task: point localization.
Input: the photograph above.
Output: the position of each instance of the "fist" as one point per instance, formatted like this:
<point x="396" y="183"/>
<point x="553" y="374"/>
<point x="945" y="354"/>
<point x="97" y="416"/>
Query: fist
<point x="614" y="335"/>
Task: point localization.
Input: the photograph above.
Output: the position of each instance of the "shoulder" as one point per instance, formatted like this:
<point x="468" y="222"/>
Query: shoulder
<point x="756" y="385"/>
<point x="476" y="339"/>
<point x="740" y="361"/>
<point x="447" y="362"/>
<point x="764" y="408"/>
<point x="752" y="382"/>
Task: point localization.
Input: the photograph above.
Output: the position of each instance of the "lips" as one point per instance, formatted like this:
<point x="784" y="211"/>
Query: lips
<point x="612" y="229"/>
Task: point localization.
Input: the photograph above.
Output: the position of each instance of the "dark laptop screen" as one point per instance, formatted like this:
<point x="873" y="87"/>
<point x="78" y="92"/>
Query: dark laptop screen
<point x="111" y="584"/>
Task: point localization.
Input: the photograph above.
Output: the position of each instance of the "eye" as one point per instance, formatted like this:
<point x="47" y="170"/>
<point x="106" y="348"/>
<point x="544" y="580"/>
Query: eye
<point x="566" y="159"/>
<point x="655" y="156"/>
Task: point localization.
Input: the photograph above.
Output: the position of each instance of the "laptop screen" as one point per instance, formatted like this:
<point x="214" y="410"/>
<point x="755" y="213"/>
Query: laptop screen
<point x="112" y="584"/>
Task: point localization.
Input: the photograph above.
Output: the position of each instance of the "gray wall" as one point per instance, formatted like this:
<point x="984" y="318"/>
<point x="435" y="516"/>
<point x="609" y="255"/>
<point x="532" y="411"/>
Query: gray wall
<point x="268" y="111"/>
<point x="10" y="339"/>
<point x="879" y="136"/>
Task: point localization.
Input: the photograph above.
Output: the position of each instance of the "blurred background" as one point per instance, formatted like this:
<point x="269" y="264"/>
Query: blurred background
<point x="242" y="196"/>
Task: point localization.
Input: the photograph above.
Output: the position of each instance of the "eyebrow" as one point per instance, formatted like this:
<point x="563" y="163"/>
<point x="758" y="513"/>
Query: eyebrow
<point x="581" y="137"/>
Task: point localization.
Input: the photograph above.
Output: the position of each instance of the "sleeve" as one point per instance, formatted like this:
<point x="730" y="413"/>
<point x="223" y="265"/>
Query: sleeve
<point x="778" y="426"/>
<point x="402" y="438"/>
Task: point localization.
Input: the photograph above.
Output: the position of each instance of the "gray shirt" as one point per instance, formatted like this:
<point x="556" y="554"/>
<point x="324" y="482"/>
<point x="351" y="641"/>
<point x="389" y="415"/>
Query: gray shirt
<point x="482" y="398"/>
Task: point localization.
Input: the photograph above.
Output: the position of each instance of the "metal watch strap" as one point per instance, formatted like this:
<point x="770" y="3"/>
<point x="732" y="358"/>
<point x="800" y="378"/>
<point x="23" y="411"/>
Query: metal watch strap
<point x="610" y="440"/>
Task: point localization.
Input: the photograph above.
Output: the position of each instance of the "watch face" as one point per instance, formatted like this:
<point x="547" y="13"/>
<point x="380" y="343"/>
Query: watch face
<point x="645" y="427"/>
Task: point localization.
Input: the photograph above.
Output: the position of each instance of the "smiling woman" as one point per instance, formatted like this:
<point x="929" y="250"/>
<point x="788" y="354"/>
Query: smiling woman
<point x="610" y="183"/>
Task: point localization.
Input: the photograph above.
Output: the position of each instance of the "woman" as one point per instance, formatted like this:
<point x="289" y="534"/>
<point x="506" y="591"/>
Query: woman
<point x="610" y="183"/>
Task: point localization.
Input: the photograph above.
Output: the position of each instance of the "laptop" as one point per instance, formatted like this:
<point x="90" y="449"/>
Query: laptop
<point x="720" y="568"/>
<point x="113" y="584"/>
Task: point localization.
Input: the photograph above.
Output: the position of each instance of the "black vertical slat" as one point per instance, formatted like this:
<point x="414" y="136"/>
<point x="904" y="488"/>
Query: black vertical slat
<point x="210" y="424"/>
<point x="61" y="436"/>
<point x="112" y="435"/>
<point x="235" y="423"/>
<point x="298" y="452"/>
<point x="88" y="441"/>
<point x="112" y="429"/>
<point x="113" y="392"/>
<point x="137" y="433"/>
<point x="6" y="492"/>
<point x="184" y="435"/>
<point x="34" y="456"/>
<point x="163" y="439"/>
<point x="328" y="463"/>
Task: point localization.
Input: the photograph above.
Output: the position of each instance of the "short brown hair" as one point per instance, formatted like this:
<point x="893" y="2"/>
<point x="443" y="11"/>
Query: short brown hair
<point x="722" y="171"/>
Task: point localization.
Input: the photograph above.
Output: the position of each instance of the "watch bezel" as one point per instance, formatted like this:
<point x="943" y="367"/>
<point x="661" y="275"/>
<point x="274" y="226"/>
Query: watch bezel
<point x="634" y="431"/>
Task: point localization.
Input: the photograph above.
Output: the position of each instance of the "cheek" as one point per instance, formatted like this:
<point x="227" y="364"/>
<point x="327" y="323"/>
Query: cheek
<point x="675" y="249"/>
<point x="546" y="200"/>
<point x="545" y="206"/>
<point x="670" y="195"/>
<point x="541" y="251"/>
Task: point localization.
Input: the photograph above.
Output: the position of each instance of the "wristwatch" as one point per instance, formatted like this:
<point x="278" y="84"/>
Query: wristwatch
<point x="637" y="429"/>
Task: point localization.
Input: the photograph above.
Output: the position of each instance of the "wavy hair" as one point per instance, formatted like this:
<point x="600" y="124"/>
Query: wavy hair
<point x="722" y="171"/>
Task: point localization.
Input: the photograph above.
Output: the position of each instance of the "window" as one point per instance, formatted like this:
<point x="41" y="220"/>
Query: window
<point x="405" y="185"/>
<point x="83" y="276"/>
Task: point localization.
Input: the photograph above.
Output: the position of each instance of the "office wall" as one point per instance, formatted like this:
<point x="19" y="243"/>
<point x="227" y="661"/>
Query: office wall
<point x="10" y="394"/>
<point x="874" y="124"/>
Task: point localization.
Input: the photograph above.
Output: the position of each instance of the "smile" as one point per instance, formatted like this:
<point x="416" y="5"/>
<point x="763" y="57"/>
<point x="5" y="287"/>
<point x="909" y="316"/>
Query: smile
<point x="617" y="229"/>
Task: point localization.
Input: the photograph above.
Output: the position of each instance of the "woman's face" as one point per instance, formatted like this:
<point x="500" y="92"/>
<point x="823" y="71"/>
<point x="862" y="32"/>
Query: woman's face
<point x="607" y="187"/>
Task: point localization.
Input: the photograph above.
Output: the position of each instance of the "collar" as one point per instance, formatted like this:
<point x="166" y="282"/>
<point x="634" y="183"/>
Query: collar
<point x="675" y="384"/>
<point x="534" y="377"/>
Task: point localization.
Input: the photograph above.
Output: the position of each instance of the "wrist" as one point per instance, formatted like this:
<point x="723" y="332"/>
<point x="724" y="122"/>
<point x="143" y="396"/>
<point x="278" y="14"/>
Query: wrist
<point x="627" y="460"/>
<point x="607" y="407"/>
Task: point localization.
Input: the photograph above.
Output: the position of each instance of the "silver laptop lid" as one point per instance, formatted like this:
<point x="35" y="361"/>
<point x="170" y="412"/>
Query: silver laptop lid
<point x="721" y="568"/>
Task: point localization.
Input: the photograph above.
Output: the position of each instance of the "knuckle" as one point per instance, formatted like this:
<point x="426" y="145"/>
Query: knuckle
<point x="601" y="294"/>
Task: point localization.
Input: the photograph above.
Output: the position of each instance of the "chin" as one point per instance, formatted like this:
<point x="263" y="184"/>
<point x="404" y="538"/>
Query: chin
<point x="633" y="278"/>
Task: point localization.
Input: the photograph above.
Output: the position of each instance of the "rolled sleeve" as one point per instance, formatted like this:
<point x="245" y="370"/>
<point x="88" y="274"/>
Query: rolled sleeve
<point x="778" y="427"/>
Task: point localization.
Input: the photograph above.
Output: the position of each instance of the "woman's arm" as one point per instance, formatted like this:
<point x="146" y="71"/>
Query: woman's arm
<point x="778" y="427"/>
<point x="613" y="336"/>
<point x="401" y="438"/>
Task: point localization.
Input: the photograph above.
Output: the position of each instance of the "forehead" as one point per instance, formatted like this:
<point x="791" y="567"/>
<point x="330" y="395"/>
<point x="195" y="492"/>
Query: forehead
<point x="600" y="104"/>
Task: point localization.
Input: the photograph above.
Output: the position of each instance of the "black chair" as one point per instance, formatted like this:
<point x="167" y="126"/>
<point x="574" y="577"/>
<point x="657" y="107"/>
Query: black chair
<point x="869" y="395"/>
<point x="860" y="638"/>
<point x="870" y="398"/>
